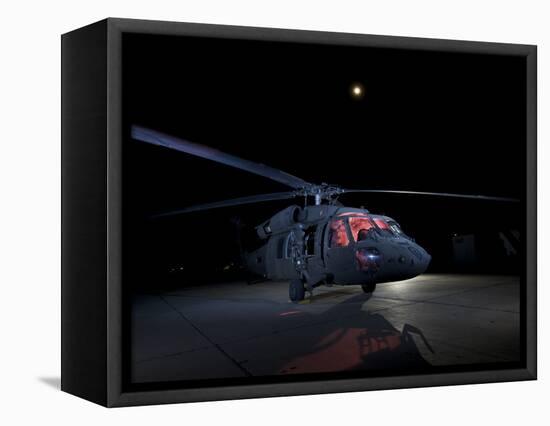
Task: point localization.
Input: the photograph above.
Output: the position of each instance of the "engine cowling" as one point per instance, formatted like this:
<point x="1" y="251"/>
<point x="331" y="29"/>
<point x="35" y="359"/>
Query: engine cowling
<point x="280" y="221"/>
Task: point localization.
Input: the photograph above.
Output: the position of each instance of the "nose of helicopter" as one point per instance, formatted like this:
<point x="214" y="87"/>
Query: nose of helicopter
<point x="412" y="260"/>
<point x="393" y="260"/>
<point x="421" y="257"/>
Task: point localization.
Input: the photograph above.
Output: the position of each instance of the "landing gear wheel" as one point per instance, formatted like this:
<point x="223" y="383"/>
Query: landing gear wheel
<point x="296" y="290"/>
<point x="369" y="288"/>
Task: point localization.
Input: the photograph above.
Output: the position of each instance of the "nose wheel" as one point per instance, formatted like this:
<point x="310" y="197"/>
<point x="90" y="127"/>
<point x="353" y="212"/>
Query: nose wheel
<point x="296" y="290"/>
<point x="368" y="288"/>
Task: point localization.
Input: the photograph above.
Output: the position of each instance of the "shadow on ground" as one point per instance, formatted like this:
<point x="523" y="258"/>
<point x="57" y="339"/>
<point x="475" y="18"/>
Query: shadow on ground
<point x="343" y="338"/>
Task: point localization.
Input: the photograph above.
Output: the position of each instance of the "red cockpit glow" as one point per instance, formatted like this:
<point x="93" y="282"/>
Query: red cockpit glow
<point x="359" y="223"/>
<point x="381" y="224"/>
<point x="338" y="235"/>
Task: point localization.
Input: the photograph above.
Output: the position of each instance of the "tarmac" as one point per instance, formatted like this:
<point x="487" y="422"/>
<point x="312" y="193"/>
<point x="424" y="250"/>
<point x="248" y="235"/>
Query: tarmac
<point x="238" y="330"/>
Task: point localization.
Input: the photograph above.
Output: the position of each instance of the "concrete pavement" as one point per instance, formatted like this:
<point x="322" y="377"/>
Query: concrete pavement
<point x="237" y="330"/>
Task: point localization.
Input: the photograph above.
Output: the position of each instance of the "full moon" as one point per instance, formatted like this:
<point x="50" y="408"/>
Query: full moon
<point x="357" y="91"/>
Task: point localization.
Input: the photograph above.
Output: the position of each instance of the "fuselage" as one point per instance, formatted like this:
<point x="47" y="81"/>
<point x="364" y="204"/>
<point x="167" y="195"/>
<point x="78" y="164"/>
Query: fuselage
<point x="333" y="244"/>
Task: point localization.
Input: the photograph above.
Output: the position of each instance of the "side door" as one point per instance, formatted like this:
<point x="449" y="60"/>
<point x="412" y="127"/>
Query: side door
<point x="280" y="265"/>
<point x="313" y="241"/>
<point x="339" y="246"/>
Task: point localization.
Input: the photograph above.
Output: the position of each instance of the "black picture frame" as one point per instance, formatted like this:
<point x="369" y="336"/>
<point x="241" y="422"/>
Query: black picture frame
<point x="92" y="361"/>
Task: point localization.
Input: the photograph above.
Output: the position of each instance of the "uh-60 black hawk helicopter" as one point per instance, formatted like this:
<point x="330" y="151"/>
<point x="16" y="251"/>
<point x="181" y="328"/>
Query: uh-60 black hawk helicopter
<point x="321" y="243"/>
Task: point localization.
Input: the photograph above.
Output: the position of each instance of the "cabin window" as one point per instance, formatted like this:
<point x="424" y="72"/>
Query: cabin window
<point x="338" y="236"/>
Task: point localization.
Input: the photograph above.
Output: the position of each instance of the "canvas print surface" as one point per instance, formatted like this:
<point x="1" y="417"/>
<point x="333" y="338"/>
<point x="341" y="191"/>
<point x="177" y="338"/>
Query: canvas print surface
<point x="298" y="211"/>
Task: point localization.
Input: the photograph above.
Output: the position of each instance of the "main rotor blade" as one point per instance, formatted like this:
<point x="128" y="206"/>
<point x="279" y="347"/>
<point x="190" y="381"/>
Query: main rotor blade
<point x="156" y="138"/>
<point x="436" y="194"/>
<point x="232" y="202"/>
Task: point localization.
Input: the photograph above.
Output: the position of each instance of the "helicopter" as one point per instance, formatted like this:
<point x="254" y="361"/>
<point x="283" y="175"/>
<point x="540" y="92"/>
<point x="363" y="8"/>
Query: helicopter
<point x="321" y="243"/>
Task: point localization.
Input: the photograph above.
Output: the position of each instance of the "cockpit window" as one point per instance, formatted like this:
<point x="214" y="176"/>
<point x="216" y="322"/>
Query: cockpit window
<point x="361" y="227"/>
<point x="389" y="228"/>
<point x="381" y="223"/>
<point x="395" y="228"/>
<point x="338" y="236"/>
<point x="384" y="227"/>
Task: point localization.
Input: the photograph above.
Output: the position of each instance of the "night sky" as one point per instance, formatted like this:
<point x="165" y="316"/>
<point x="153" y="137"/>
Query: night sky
<point x="427" y="121"/>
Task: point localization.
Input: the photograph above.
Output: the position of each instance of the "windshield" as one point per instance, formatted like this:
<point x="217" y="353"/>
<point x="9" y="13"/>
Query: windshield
<point x="395" y="228"/>
<point x="389" y="227"/>
<point x="383" y="227"/>
<point x="361" y="227"/>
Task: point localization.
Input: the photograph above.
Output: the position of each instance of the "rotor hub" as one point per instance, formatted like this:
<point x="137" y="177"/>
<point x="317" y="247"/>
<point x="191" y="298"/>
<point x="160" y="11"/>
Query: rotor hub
<point x="320" y="192"/>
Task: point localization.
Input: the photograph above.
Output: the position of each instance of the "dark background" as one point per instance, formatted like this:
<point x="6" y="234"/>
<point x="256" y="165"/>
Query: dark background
<point x="429" y="121"/>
